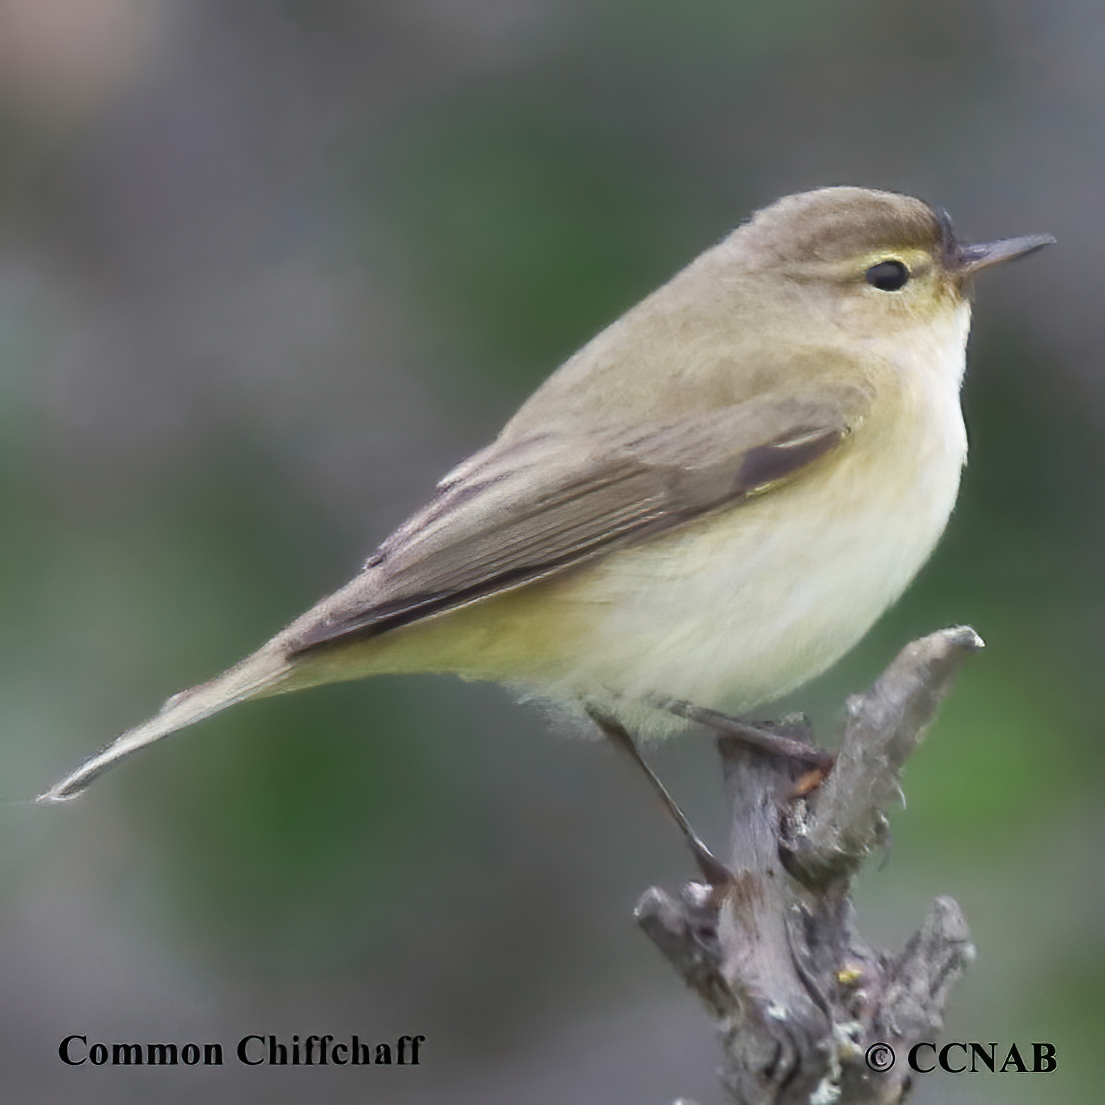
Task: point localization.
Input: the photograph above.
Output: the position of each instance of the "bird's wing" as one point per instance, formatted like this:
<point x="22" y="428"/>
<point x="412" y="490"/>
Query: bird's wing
<point x="524" y="509"/>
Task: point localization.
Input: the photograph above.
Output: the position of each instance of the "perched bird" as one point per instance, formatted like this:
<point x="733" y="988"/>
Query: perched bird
<point x="711" y="502"/>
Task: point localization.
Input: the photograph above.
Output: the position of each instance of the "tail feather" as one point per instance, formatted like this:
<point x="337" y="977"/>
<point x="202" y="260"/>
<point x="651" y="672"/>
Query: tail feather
<point x="257" y="675"/>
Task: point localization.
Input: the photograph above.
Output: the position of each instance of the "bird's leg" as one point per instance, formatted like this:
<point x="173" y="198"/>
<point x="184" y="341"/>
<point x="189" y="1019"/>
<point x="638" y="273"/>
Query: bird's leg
<point x="714" y="871"/>
<point x="816" y="763"/>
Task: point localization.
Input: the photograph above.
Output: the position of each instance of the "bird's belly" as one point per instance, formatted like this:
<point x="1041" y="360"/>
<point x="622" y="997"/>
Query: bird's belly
<point x="748" y="604"/>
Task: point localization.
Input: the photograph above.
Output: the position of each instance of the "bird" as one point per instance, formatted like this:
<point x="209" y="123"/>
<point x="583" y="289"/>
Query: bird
<point x="709" y="503"/>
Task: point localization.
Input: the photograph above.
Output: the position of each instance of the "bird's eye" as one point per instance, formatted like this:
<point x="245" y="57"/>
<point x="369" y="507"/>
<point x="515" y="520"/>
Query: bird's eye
<point x="887" y="276"/>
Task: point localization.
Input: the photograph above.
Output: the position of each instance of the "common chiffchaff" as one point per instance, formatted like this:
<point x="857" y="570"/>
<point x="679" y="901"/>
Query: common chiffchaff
<point x="711" y="501"/>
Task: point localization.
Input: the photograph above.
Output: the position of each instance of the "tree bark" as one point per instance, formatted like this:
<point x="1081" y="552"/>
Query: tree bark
<point x="807" y="1013"/>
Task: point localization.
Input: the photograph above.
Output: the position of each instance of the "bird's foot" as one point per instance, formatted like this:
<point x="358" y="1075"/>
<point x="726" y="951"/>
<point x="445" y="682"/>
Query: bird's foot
<point x="791" y="738"/>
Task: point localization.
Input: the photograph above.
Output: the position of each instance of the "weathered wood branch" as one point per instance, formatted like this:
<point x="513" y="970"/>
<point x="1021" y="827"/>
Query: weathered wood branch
<point x="807" y="1013"/>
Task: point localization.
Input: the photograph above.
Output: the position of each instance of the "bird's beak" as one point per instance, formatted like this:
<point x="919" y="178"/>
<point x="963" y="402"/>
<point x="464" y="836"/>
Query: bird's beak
<point x="967" y="260"/>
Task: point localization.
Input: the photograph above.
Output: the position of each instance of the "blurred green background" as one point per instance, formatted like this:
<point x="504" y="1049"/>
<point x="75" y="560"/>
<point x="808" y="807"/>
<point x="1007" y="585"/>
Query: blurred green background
<point x="267" y="269"/>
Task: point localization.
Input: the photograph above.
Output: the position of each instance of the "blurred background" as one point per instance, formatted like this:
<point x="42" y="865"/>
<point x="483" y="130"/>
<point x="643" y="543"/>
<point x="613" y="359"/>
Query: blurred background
<point x="267" y="269"/>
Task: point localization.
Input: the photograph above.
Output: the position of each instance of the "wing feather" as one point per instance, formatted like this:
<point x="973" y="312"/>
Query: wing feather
<point x="528" y="507"/>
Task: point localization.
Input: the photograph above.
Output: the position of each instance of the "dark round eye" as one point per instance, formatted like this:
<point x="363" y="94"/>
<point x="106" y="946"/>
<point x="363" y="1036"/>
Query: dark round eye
<point x="887" y="276"/>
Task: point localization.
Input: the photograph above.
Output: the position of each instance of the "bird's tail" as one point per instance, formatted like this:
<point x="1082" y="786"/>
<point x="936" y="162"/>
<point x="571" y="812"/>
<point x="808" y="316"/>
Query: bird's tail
<point x="257" y="675"/>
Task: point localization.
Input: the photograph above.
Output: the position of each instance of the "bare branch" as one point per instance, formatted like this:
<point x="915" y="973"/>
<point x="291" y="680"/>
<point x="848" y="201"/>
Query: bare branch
<point x="846" y="815"/>
<point x="808" y="1014"/>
